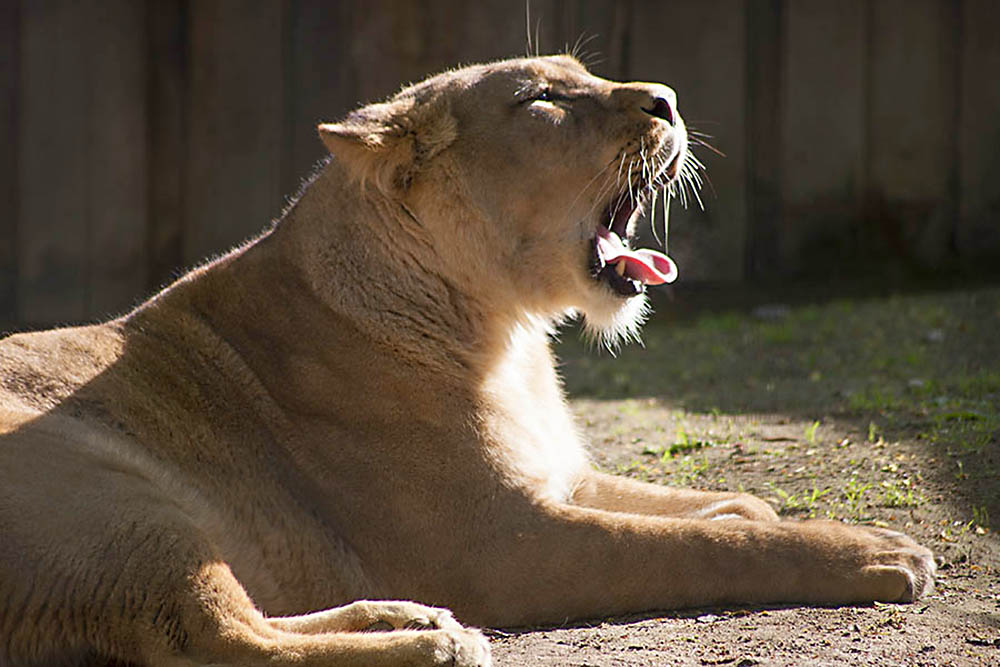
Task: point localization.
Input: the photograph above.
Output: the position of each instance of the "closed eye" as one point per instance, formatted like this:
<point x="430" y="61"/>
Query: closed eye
<point x="548" y="95"/>
<point x="545" y="94"/>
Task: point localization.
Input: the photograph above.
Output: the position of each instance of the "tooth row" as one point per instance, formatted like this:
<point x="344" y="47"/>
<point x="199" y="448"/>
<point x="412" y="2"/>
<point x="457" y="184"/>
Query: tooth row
<point x="620" y="267"/>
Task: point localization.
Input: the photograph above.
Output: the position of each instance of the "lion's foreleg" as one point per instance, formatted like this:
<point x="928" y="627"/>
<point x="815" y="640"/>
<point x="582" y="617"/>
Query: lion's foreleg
<point x="620" y="494"/>
<point x="367" y="615"/>
<point x="572" y="562"/>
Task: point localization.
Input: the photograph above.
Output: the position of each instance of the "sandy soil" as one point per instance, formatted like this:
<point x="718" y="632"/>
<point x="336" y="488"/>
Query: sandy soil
<point x="882" y="410"/>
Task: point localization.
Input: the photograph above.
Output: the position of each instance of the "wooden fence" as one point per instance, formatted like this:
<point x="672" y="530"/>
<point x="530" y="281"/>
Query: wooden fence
<point x="141" y="136"/>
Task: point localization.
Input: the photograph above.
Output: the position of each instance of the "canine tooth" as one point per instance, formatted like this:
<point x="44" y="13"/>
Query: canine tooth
<point x="620" y="267"/>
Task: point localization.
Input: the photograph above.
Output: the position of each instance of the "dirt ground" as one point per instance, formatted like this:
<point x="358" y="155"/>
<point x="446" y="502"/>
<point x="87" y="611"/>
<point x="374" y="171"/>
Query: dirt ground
<point x="879" y="409"/>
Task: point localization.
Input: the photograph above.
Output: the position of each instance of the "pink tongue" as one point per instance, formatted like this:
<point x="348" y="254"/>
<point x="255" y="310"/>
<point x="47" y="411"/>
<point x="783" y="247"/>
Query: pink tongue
<point x="647" y="266"/>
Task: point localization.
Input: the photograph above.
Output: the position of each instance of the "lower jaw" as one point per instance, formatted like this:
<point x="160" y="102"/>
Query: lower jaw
<point x="621" y="285"/>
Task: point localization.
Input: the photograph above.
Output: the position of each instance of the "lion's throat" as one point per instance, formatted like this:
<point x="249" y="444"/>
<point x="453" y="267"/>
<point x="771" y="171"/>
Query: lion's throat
<point x="647" y="266"/>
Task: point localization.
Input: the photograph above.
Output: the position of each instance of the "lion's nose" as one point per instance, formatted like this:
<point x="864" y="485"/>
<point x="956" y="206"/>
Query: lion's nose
<point x="653" y="99"/>
<point x="662" y="108"/>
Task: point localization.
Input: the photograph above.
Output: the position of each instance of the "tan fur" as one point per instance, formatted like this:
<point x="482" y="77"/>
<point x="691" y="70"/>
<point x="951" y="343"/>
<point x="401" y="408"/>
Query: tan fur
<point x="362" y="405"/>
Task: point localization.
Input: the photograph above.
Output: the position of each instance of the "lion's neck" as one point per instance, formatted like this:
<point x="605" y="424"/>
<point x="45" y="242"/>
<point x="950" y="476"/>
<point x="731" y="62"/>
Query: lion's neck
<point x="372" y="261"/>
<point x="339" y="273"/>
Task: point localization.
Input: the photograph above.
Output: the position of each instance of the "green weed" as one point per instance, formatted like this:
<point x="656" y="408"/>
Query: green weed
<point x="900" y="493"/>
<point x="811" y="432"/>
<point x="806" y="502"/>
<point x="854" y="498"/>
<point x="685" y="443"/>
<point x="872" y="432"/>
<point x="981" y="517"/>
<point x="690" y="469"/>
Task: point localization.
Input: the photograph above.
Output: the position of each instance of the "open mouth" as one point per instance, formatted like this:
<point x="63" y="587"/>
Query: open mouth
<point x="613" y="262"/>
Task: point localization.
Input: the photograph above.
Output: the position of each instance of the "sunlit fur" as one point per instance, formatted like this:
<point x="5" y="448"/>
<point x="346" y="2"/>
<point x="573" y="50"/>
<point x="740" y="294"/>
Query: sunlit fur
<point x="361" y="407"/>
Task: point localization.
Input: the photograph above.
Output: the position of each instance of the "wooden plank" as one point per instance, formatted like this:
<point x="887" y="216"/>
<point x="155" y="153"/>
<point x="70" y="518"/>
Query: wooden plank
<point x="978" y="232"/>
<point x="491" y="30"/>
<point x="823" y="134"/>
<point x="320" y="84"/>
<point x="600" y="28"/>
<point x="167" y="121"/>
<point x="395" y="42"/>
<point x="911" y="129"/>
<point x="117" y="185"/>
<point x="704" y="60"/>
<point x="236" y="124"/>
<point x="9" y="82"/>
<point x="54" y="162"/>
<point x="764" y="118"/>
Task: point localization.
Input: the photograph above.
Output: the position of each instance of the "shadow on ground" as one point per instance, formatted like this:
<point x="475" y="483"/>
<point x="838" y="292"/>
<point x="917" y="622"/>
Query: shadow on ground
<point x="922" y="368"/>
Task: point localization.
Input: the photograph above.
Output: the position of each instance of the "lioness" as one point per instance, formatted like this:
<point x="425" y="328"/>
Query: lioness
<point x="361" y="405"/>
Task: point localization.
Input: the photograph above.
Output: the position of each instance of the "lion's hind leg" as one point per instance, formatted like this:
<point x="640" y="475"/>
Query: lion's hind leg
<point x="172" y="602"/>
<point x="97" y="562"/>
<point x="220" y="625"/>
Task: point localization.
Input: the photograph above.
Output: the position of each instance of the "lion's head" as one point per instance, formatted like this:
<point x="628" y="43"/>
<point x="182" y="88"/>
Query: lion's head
<point x="530" y="176"/>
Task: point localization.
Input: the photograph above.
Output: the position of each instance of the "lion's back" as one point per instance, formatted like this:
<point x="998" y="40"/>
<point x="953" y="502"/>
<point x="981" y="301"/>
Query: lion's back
<point x="40" y="369"/>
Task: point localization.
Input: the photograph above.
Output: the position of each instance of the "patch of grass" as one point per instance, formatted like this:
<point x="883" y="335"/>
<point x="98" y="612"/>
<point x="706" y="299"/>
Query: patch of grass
<point x="874" y="399"/>
<point x="854" y="499"/>
<point x="637" y="470"/>
<point x="778" y="334"/>
<point x="900" y="493"/>
<point x="685" y="443"/>
<point x="690" y="469"/>
<point x="721" y="323"/>
<point x="805" y="502"/>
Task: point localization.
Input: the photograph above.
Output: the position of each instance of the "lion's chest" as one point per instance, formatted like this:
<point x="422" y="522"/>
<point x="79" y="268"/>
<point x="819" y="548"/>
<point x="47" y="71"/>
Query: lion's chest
<point x="529" y="423"/>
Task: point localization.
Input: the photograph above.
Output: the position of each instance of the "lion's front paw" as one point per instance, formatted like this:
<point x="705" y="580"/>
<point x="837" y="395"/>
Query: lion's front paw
<point x="864" y="564"/>
<point x="464" y="647"/>
<point x="430" y="618"/>
<point x="738" y="506"/>
<point x="899" y="569"/>
<point x="400" y="615"/>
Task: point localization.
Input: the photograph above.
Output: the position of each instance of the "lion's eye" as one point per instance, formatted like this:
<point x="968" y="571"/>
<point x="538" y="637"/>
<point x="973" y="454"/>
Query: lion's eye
<point x="545" y="95"/>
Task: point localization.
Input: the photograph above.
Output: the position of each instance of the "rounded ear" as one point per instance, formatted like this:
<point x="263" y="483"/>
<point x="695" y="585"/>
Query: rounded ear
<point x="389" y="142"/>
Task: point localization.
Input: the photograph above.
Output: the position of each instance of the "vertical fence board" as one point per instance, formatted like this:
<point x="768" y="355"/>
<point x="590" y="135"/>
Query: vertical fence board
<point x="395" y="42"/>
<point x="764" y="121"/>
<point x="54" y="162"/>
<point x="320" y="82"/>
<point x="600" y="28"/>
<point x="823" y="132"/>
<point x="704" y="61"/>
<point x="495" y="31"/>
<point x="911" y="132"/>
<point x="9" y="76"/>
<point x="235" y="111"/>
<point x="166" y="30"/>
<point x="978" y="233"/>
<point x="117" y="190"/>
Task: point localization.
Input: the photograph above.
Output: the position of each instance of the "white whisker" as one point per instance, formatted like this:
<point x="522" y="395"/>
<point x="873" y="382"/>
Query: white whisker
<point x="666" y="220"/>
